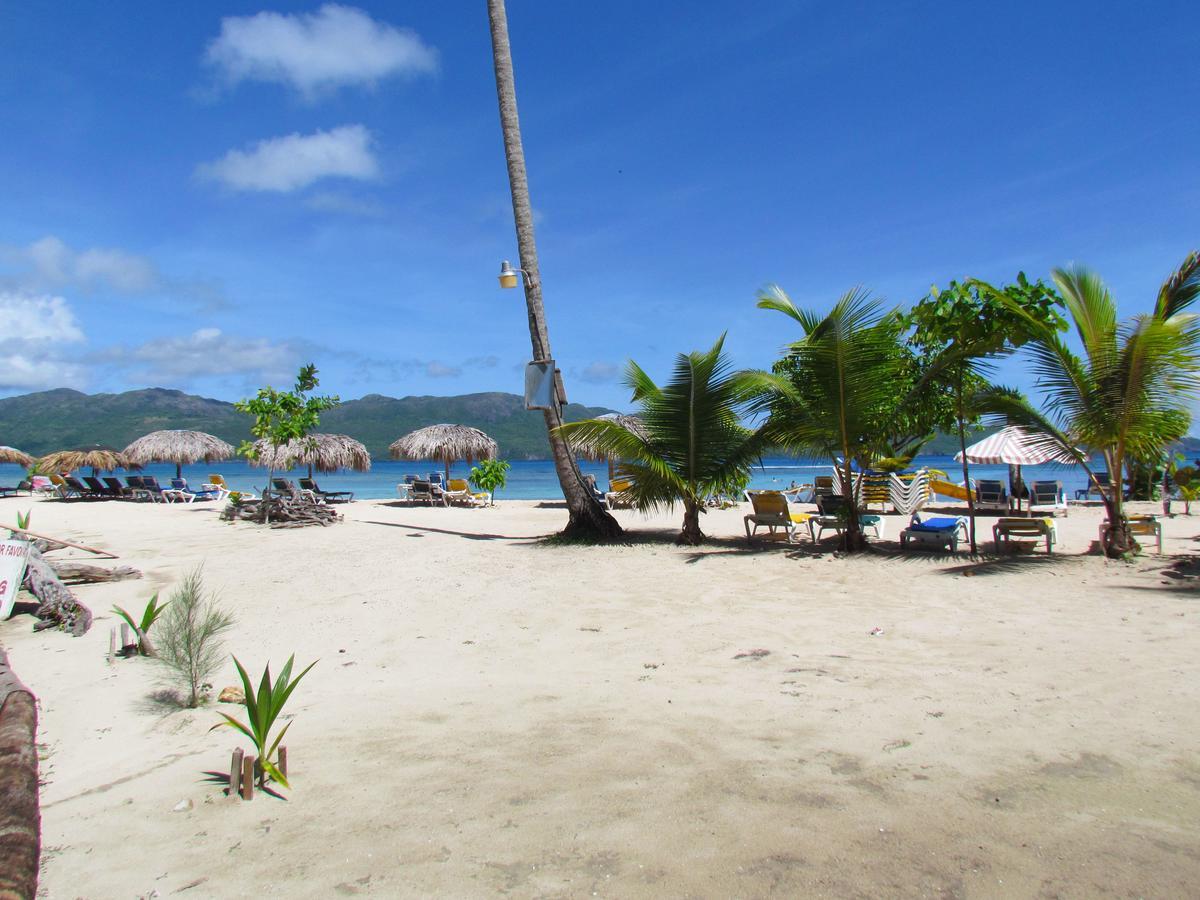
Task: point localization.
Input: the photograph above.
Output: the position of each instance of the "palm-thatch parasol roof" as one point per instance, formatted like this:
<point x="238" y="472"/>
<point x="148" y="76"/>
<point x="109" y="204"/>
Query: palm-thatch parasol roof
<point x="94" y="457"/>
<point x="445" y="442"/>
<point x="177" y="446"/>
<point x="323" y="452"/>
<point x="588" y="451"/>
<point x="13" y="455"/>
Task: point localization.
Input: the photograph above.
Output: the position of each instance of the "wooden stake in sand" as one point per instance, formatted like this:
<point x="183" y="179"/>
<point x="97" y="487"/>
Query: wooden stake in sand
<point x="235" y="772"/>
<point x="283" y="761"/>
<point x="248" y="778"/>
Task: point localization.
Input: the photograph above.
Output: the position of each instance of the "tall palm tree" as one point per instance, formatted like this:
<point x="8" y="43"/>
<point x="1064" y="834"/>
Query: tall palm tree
<point x="587" y="517"/>
<point x="835" y="393"/>
<point x="691" y="443"/>
<point x="1126" y="397"/>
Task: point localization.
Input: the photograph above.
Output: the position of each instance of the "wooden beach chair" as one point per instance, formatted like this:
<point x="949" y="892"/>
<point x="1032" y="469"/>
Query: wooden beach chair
<point x="771" y="511"/>
<point x="1005" y="531"/>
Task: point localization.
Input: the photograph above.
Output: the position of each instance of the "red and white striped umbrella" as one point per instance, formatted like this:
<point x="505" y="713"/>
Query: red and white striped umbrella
<point x="1017" y="446"/>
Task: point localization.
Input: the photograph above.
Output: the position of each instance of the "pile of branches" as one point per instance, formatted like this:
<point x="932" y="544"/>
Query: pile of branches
<point x="282" y="511"/>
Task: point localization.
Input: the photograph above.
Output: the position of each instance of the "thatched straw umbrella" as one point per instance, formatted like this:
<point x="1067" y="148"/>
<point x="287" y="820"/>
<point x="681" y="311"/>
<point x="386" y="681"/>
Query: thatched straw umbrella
<point x="323" y="452"/>
<point x="447" y="443"/>
<point x="588" y="451"/>
<point x="13" y="455"/>
<point x="177" y="446"/>
<point x="95" y="457"/>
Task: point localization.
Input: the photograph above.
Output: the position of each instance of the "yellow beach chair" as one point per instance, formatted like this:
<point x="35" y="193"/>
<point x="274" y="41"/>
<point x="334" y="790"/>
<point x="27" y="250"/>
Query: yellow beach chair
<point x="458" y="491"/>
<point x="1144" y="525"/>
<point x="1005" y="530"/>
<point x="617" y="496"/>
<point x="771" y="511"/>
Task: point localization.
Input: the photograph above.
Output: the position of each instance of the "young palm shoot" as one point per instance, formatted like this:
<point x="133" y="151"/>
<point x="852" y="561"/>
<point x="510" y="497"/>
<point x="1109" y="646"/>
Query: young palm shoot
<point x="149" y="616"/>
<point x="262" y="710"/>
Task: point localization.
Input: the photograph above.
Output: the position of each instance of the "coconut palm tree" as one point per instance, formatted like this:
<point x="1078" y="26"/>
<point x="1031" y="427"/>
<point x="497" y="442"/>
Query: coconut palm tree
<point x="835" y="392"/>
<point x="587" y="517"/>
<point x="691" y="443"/>
<point x="1126" y="396"/>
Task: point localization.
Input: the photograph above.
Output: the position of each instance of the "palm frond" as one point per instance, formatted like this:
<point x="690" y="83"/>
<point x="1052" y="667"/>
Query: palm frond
<point x="1180" y="290"/>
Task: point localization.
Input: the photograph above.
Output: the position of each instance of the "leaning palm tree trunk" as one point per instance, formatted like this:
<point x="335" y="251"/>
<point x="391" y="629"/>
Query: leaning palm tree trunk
<point x="587" y="517"/>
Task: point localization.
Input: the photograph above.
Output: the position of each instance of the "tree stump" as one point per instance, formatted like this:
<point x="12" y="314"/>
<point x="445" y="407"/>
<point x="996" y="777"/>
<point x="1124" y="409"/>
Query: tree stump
<point x="20" y="816"/>
<point x="59" y="607"/>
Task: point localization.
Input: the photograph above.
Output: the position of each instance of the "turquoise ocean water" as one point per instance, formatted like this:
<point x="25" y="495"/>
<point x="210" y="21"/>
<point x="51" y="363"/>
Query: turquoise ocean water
<point x="536" y="479"/>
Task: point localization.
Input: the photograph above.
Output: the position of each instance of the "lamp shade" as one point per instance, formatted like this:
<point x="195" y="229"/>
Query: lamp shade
<point x="508" y="275"/>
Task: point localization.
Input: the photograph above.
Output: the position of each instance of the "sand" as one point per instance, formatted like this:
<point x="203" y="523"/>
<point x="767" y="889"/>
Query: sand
<point x="494" y="715"/>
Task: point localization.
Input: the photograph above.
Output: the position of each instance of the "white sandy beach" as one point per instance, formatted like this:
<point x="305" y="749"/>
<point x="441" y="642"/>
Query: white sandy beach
<point x="494" y="715"/>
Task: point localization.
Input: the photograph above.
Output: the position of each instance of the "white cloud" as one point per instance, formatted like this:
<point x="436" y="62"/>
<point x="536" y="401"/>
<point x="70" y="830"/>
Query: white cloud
<point x="295" y="161"/>
<point x="50" y="264"/>
<point x="437" y="369"/>
<point x="345" y="204"/>
<point x="333" y="47"/>
<point x="599" y="373"/>
<point x="37" y="318"/>
<point x="33" y="330"/>
<point x="208" y="352"/>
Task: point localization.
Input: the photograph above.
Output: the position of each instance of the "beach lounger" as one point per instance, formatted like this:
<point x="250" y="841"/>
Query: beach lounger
<point x="13" y="491"/>
<point x="284" y="487"/>
<point x="100" y="489"/>
<point x="771" y="511"/>
<point x="618" y="495"/>
<point x="81" y="490"/>
<point x="116" y="489"/>
<point x="219" y="482"/>
<point x="1144" y="525"/>
<point x="936" y="531"/>
<point x="1092" y="491"/>
<point x="991" y="495"/>
<point x="43" y="486"/>
<point x="424" y="492"/>
<point x="1048" y="496"/>
<point x="818" y="525"/>
<point x="307" y="484"/>
<point x="151" y="489"/>
<point x="1006" y="530"/>
<point x="459" y="491"/>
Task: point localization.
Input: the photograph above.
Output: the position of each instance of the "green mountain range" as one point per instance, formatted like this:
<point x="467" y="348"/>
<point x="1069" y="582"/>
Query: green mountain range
<point x="63" y="419"/>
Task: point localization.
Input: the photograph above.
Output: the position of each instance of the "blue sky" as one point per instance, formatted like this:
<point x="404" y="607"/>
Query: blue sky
<point x="204" y="196"/>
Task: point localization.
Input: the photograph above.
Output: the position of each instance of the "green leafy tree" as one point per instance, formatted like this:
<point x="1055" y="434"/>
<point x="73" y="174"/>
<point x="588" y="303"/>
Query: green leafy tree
<point x="1126" y="396"/>
<point x="490" y="475"/>
<point x="692" y="444"/>
<point x="281" y="416"/>
<point x="976" y="326"/>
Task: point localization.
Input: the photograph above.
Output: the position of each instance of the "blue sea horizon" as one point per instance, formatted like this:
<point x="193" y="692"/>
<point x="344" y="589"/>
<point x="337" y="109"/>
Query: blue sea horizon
<point x="536" y="479"/>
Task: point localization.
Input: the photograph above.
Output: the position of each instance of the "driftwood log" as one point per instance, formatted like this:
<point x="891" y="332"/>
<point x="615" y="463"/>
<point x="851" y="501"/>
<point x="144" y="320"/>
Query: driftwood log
<point x="281" y="511"/>
<point x="59" y="608"/>
<point x="20" y="817"/>
<point x="81" y="573"/>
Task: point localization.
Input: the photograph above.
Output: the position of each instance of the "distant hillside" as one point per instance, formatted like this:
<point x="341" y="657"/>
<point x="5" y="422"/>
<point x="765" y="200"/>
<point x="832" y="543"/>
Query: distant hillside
<point x="60" y="419"/>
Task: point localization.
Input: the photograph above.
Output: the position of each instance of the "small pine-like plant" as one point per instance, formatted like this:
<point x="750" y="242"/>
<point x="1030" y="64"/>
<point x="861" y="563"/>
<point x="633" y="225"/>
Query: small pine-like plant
<point x="262" y="710"/>
<point x="190" y="636"/>
<point x="149" y="616"/>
